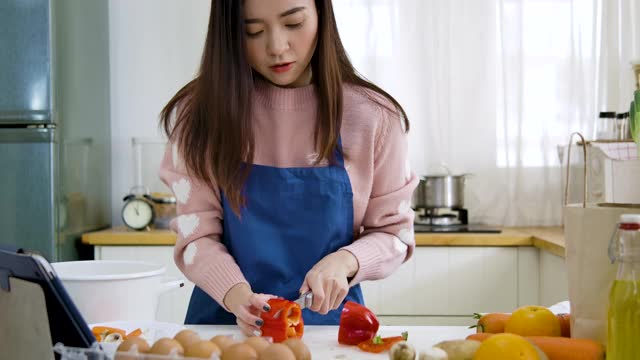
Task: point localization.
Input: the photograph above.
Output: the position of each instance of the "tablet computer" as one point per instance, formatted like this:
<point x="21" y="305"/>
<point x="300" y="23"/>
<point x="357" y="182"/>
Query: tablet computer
<point x="34" y="278"/>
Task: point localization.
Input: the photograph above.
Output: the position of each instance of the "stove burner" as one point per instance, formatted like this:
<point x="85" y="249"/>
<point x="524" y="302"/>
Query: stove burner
<point x="447" y="221"/>
<point x="441" y="217"/>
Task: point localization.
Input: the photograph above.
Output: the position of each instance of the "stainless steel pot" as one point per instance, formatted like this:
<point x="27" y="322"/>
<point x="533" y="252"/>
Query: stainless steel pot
<point x="439" y="191"/>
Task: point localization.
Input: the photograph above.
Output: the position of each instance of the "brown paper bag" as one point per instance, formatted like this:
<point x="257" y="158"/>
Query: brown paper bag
<point x="588" y="229"/>
<point x="587" y="232"/>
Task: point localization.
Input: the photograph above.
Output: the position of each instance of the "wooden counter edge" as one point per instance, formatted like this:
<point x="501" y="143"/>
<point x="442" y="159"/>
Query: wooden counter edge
<point x="431" y="239"/>
<point x="123" y="236"/>
<point x="546" y="239"/>
<point x="549" y="239"/>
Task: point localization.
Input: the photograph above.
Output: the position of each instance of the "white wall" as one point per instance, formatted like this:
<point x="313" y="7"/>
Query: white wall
<point x="155" y="48"/>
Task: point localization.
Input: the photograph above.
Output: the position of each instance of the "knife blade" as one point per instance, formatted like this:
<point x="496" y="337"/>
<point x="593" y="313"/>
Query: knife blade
<point x="305" y="300"/>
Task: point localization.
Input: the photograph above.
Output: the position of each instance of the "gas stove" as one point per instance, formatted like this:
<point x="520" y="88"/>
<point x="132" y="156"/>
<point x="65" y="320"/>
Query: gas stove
<point x="448" y="221"/>
<point x="460" y="228"/>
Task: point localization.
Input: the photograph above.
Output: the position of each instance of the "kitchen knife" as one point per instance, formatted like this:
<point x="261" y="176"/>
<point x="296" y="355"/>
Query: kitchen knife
<point x="305" y="300"/>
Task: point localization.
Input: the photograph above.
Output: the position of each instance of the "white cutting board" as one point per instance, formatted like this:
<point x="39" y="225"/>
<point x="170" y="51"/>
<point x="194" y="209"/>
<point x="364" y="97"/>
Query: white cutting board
<point x="323" y="340"/>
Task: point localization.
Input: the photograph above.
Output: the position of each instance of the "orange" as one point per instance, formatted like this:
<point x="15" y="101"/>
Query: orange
<point x="533" y="321"/>
<point x="506" y="347"/>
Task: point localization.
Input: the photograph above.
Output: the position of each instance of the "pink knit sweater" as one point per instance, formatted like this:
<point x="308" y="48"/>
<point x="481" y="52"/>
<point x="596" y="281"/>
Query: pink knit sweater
<point x="284" y="119"/>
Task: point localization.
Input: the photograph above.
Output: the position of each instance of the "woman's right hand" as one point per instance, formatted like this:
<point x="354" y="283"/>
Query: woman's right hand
<point x="247" y="307"/>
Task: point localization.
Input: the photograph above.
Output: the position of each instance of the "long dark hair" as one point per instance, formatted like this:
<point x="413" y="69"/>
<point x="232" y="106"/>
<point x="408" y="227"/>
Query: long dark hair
<point x="213" y="111"/>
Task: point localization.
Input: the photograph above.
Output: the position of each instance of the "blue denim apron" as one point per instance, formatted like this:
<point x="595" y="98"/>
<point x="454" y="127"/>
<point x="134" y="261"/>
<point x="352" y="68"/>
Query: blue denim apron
<point x="292" y="219"/>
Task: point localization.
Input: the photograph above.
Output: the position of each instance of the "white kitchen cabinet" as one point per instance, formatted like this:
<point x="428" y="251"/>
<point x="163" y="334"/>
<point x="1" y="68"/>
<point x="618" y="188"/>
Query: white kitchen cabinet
<point x="417" y="320"/>
<point x="457" y="281"/>
<point x="440" y="285"/>
<point x="554" y="283"/>
<point x="529" y="268"/>
<point x="172" y="305"/>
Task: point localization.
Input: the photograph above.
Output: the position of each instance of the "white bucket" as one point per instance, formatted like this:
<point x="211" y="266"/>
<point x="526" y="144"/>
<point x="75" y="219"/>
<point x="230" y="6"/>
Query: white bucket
<point x="106" y="290"/>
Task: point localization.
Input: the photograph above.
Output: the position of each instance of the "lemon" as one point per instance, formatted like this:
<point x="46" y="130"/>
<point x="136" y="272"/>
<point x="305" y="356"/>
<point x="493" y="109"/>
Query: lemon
<point x="506" y="347"/>
<point x="533" y="320"/>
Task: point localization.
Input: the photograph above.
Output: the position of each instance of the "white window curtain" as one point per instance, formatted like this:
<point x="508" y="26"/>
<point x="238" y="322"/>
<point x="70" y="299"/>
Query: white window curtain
<point x="492" y="87"/>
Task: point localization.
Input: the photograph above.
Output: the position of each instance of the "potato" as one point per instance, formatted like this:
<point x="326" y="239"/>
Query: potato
<point x="433" y="353"/>
<point x="459" y="349"/>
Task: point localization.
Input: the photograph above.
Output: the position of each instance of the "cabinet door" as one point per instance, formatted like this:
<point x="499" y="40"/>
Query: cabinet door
<point x="449" y="281"/>
<point x="482" y="279"/>
<point x="172" y="305"/>
<point x="554" y="284"/>
<point x="417" y="320"/>
<point x="393" y="296"/>
<point x="529" y="275"/>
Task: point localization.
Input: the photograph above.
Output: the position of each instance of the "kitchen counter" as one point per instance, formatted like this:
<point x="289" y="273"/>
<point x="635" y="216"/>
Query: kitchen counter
<point x="123" y="236"/>
<point x="323" y="340"/>
<point x="550" y="239"/>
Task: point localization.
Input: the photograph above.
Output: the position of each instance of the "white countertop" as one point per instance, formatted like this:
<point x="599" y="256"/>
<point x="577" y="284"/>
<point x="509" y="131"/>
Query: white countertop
<point x="323" y="340"/>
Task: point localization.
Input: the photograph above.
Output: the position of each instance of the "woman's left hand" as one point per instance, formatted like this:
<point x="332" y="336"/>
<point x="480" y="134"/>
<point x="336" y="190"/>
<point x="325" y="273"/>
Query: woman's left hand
<point x="328" y="280"/>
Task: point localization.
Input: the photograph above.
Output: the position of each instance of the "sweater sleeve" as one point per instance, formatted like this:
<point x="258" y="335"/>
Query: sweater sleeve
<point x="388" y="239"/>
<point x="198" y="252"/>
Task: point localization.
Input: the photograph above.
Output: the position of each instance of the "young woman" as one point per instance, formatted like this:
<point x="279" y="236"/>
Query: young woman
<point x="290" y="170"/>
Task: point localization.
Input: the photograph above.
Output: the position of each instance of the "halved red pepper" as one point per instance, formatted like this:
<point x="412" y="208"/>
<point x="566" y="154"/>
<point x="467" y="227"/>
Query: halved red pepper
<point x="357" y="324"/>
<point x="283" y="321"/>
<point x="379" y="344"/>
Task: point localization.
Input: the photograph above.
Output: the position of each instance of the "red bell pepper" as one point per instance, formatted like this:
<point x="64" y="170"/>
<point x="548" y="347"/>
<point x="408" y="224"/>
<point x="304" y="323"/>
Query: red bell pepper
<point x="357" y="324"/>
<point x="379" y="344"/>
<point x="283" y="321"/>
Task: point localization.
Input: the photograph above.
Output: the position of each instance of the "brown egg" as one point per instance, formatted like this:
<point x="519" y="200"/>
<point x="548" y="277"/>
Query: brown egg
<point x="239" y="352"/>
<point x="166" y="346"/>
<point x="187" y="337"/>
<point x="127" y="356"/>
<point x="277" y="352"/>
<point x="141" y="344"/>
<point x="222" y="341"/>
<point x="128" y="344"/>
<point x="258" y="343"/>
<point x="299" y="348"/>
<point x="201" y="349"/>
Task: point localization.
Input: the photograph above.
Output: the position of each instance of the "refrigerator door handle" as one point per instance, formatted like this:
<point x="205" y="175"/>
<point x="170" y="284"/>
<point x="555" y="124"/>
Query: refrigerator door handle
<point x="25" y="117"/>
<point x="27" y="135"/>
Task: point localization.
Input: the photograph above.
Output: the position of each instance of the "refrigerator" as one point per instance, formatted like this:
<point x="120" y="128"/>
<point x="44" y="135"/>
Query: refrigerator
<point x="54" y="125"/>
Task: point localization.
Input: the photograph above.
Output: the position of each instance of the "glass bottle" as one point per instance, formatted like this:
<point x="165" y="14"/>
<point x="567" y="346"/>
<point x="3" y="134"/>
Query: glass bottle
<point x="606" y="126"/>
<point x="624" y="296"/>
